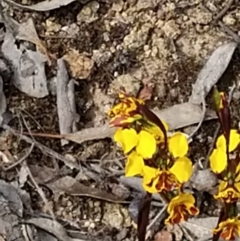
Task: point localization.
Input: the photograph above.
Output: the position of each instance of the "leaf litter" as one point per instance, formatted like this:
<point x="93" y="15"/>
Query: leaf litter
<point x="42" y="6"/>
<point x="189" y="113"/>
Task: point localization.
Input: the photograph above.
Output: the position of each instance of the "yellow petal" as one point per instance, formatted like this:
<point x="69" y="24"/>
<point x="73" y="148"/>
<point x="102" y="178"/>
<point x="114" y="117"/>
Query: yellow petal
<point x="178" y="145"/>
<point x="182" y="169"/>
<point x="134" y="165"/>
<point x="147" y="145"/>
<point x="149" y="173"/>
<point x="150" y="179"/>
<point x="126" y="138"/>
<point x="233" y="142"/>
<point x="218" y="160"/>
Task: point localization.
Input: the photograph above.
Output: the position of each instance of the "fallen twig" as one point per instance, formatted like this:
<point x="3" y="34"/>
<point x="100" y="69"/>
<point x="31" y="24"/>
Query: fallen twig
<point x="224" y="10"/>
<point x="157" y="217"/>
<point x="217" y="20"/>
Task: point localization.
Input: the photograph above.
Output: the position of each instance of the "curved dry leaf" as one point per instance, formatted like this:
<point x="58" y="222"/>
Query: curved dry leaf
<point x="10" y="193"/>
<point x="25" y="31"/>
<point x="188" y="114"/>
<point x="204" y="180"/>
<point x="212" y="71"/>
<point x="28" y="67"/>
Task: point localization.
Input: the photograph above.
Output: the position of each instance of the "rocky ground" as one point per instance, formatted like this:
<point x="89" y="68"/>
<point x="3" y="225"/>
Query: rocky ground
<point x="108" y="46"/>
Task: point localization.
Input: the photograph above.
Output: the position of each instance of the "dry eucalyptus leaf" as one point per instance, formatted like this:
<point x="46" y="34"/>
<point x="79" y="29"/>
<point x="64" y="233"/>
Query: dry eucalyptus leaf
<point x="72" y="187"/>
<point x="200" y="227"/>
<point x="80" y="65"/>
<point x="65" y="101"/>
<point x="10" y="226"/>
<point x="187" y="114"/>
<point x="212" y="71"/>
<point x="204" y="180"/>
<point x="50" y="226"/>
<point x="25" y="31"/>
<point x="28" y="67"/>
<point x="44" y="5"/>
<point x="10" y="193"/>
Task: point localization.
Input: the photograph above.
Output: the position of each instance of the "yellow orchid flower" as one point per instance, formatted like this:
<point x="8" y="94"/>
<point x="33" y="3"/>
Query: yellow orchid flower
<point x="228" y="193"/>
<point x="180" y="207"/>
<point x="127" y="105"/>
<point x="218" y="158"/>
<point x="156" y="180"/>
<point x="229" y="190"/>
<point x="178" y="145"/>
<point x="126" y="112"/>
<point x="229" y="229"/>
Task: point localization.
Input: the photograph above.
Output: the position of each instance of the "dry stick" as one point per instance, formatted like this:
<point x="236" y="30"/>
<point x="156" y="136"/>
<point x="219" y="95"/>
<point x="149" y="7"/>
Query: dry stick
<point x="229" y="31"/>
<point x="217" y="21"/>
<point x="26" y="125"/>
<point x="157" y="217"/>
<point x="224" y="10"/>
<point x="20" y="160"/>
